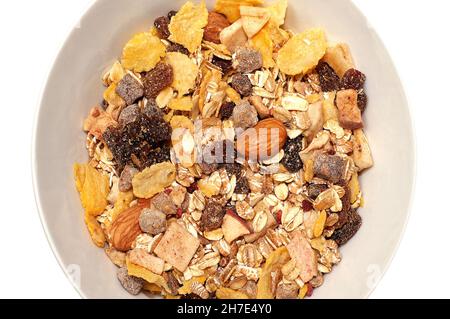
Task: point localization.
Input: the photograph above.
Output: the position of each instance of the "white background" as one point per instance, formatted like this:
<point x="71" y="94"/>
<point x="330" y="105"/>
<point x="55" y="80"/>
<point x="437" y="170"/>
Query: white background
<point x="416" y="34"/>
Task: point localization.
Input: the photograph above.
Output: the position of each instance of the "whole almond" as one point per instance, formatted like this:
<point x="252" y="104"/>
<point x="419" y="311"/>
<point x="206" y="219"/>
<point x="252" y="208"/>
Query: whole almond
<point x="263" y="141"/>
<point x="216" y="23"/>
<point x="125" y="228"/>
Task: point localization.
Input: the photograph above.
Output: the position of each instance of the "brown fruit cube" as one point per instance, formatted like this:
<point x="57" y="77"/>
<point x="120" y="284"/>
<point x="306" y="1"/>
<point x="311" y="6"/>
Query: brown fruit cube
<point x="177" y="246"/>
<point x="332" y="168"/>
<point x="349" y="113"/>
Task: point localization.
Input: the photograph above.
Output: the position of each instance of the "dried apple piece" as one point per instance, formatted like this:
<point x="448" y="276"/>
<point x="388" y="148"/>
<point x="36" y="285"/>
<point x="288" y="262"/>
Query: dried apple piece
<point x="302" y="52"/>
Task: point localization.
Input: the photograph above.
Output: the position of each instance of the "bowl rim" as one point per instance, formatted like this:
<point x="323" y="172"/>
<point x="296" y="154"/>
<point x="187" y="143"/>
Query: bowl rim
<point x="36" y="127"/>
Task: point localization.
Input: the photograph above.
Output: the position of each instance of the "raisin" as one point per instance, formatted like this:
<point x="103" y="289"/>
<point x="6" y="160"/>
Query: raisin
<point x="362" y="100"/>
<point x="192" y="188"/>
<point x="242" y="186"/>
<point x="329" y="80"/>
<point x="191" y="296"/>
<point x="314" y="190"/>
<point x="131" y="284"/>
<point x="233" y="169"/>
<point x="129" y="114"/>
<point x="291" y="160"/>
<point x="343" y="235"/>
<point x="171" y="14"/>
<point x="176" y="47"/>
<point x="353" y="79"/>
<point x="226" y="110"/>
<point x="307" y="206"/>
<point x="212" y="216"/>
<point x="162" y="26"/>
<point x="244" y="115"/>
<point x="129" y="89"/>
<point x="224" y="65"/>
<point x="157" y="80"/>
<point x="248" y="60"/>
<point x="152" y="221"/>
<point x="242" y="84"/>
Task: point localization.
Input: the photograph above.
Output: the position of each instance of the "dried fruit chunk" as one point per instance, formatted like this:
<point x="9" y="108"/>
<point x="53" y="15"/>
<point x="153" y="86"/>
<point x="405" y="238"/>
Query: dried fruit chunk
<point x="349" y="113"/>
<point x="226" y="110"/>
<point x="329" y="80"/>
<point x="228" y="293"/>
<point x="176" y="47"/>
<point x="184" y="72"/>
<point x="142" y="52"/>
<point x="162" y="26"/>
<point x="291" y="160"/>
<point x="129" y="114"/>
<point x="157" y="80"/>
<point x="233" y="227"/>
<point x="212" y="216"/>
<point x="274" y="262"/>
<point x="95" y="230"/>
<point x="230" y="8"/>
<point x="302" y="52"/>
<point x="263" y="43"/>
<point x="150" y="277"/>
<point x="216" y="23"/>
<point x="343" y="235"/>
<point x="332" y="168"/>
<point x="153" y="180"/>
<point x="339" y="58"/>
<point x="304" y="256"/>
<point x="131" y="284"/>
<point x="362" y="155"/>
<point x="126" y="178"/>
<point x="244" y="115"/>
<point x="253" y="19"/>
<point x="233" y="36"/>
<point x="242" y="84"/>
<point x="93" y="187"/>
<point x="247" y="60"/>
<point x="152" y="221"/>
<point x="186" y="27"/>
<point x="353" y="79"/>
<point x="177" y="246"/>
<point x="224" y="65"/>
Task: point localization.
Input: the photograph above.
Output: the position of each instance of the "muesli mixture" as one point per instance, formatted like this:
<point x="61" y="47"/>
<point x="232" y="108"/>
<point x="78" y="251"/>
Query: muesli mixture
<point x="224" y="158"/>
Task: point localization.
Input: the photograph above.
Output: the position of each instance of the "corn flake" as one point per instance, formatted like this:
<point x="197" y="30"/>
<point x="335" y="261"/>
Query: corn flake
<point x="95" y="230"/>
<point x="275" y="261"/>
<point x="112" y="97"/>
<point x="228" y="293"/>
<point x="180" y="121"/>
<point x="263" y="43"/>
<point x="183" y="103"/>
<point x="231" y="8"/>
<point x="147" y="275"/>
<point x="153" y="180"/>
<point x="184" y="72"/>
<point x="93" y="187"/>
<point x="278" y="11"/>
<point x="302" y="52"/>
<point x="186" y="27"/>
<point x="143" y="52"/>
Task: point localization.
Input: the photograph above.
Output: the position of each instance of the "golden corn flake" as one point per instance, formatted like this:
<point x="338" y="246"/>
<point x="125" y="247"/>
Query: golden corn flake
<point x="183" y="103"/>
<point x="95" y="230"/>
<point x="93" y="187"/>
<point x="263" y="43"/>
<point x="112" y="97"/>
<point x="279" y="36"/>
<point x="228" y="293"/>
<point x="153" y="180"/>
<point x="302" y="52"/>
<point x="186" y="27"/>
<point x="180" y="121"/>
<point x="147" y="275"/>
<point x="231" y="8"/>
<point x="273" y="263"/>
<point x="186" y="288"/>
<point x="184" y="72"/>
<point x="143" y="52"/>
<point x="278" y="11"/>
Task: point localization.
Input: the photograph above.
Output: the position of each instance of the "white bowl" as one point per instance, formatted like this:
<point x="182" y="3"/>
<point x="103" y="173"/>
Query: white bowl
<point x="74" y="86"/>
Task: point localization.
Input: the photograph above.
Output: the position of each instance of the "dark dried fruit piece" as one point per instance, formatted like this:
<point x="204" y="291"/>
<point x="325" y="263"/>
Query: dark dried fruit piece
<point x="212" y="216"/>
<point x="242" y="84"/>
<point x="172" y="13"/>
<point x="126" y="177"/>
<point x="353" y="79"/>
<point x="233" y="169"/>
<point x="129" y="114"/>
<point x="329" y="80"/>
<point x="158" y="154"/>
<point x="346" y="209"/>
<point x="152" y="221"/>
<point x="242" y="186"/>
<point x="152" y="109"/>
<point x="172" y="282"/>
<point x="226" y="110"/>
<point x="332" y="168"/>
<point x="248" y="60"/>
<point x="157" y="80"/>
<point x="224" y="65"/>
<point x="192" y="188"/>
<point x="176" y="47"/>
<point x="129" y="89"/>
<point x="314" y="190"/>
<point x="307" y="206"/>
<point x="343" y="235"/>
<point x="216" y="23"/>
<point x="191" y="296"/>
<point x="131" y="284"/>
<point x="162" y="26"/>
<point x="362" y="100"/>
<point x="291" y="160"/>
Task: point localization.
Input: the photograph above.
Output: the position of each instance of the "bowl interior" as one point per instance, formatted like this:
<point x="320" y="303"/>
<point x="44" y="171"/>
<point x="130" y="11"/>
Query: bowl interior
<point x="74" y="86"/>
